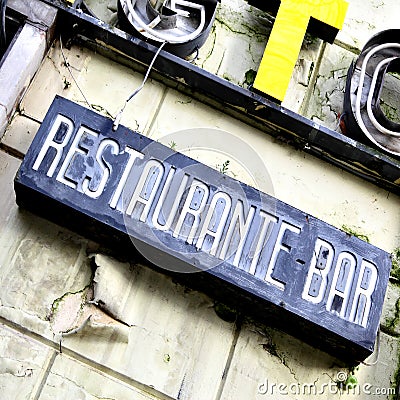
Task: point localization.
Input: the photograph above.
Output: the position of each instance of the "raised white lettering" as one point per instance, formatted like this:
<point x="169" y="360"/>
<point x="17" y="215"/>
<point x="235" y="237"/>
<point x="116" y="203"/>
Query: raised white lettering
<point x="161" y="201"/>
<point x="316" y="281"/>
<point x="241" y="225"/>
<point x="192" y="208"/>
<point x="105" y="168"/>
<point x="146" y="188"/>
<point x="215" y="231"/>
<point x="362" y="303"/>
<point x="74" y="150"/>
<point x="133" y="155"/>
<point x="341" y="284"/>
<point x="51" y="141"/>
<point x="279" y="246"/>
<point x="267" y="221"/>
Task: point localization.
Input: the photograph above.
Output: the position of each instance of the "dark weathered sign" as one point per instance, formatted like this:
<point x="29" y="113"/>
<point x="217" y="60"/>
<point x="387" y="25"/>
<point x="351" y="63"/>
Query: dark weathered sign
<point x="269" y="259"/>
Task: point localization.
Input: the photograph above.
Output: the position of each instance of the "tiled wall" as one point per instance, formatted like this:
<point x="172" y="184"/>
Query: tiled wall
<point x="162" y="340"/>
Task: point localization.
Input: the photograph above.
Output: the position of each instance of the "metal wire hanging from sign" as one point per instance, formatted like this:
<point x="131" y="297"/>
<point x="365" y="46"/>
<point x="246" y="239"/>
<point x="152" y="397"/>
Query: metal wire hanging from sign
<point x="363" y="117"/>
<point x="117" y="119"/>
<point x="183" y="24"/>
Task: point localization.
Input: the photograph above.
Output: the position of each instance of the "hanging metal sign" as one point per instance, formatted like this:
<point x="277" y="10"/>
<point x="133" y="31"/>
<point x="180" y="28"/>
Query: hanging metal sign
<point x="255" y="252"/>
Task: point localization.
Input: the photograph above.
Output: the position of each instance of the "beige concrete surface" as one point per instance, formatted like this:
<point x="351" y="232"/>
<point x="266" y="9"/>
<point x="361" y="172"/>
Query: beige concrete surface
<point x="127" y="332"/>
<point x="23" y="364"/>
<point x="70" y="379"/>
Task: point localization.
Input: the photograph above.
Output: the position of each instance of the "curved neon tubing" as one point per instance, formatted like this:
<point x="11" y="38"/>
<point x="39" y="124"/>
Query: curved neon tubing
<point x="359" y="93"/>
<point x="371" y="115"/>
<point x="163" y="36"/>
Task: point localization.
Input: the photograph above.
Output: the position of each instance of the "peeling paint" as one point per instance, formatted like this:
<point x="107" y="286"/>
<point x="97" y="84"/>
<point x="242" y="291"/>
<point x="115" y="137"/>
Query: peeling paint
<point x="87" y="313"/>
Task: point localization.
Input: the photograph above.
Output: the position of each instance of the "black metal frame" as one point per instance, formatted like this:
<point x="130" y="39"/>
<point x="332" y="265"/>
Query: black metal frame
<point x="252" y="108"/>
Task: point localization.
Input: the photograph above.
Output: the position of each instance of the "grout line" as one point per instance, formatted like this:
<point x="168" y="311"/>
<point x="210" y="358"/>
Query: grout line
<point x="11" y="151"/>
<point x="115" y="375"/>
<point x="348" y="47"/>
<point x="22" y="113"/>
<point x="27" y="332"/>
<point x="238" y="328"/>
<point x="112" y="374"/>
<point x="304" y="108"/>
<point x="39" y="388"/>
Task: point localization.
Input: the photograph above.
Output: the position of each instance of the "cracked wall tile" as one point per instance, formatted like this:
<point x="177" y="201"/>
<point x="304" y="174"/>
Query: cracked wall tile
<point x="267" y="357"/>
<point x="22" y="364"/>
<point x="76" y="313"/>
<point x="236" y="45"/>
<point x="11" y="228"/>
<point x="365" y="19"/>
<point x="390" y="97"/>
<point x="38" y="263"/>
<point x="326" y="100"/>
<point x="14" y="226"/>
<point x="302" y="74"/>
<point x="390" y="319"/>
<point x="19" y="134"/>
<point x="268" y="364"/>
<point x="70" y="379"/>
<point x="53" y="78"/>
<point x="172" y="332"/>
<point x="122" y="276"/>
<point x="67" y="310"/>
<point x="237" y="42"/>
<point x="47" y="263"/>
